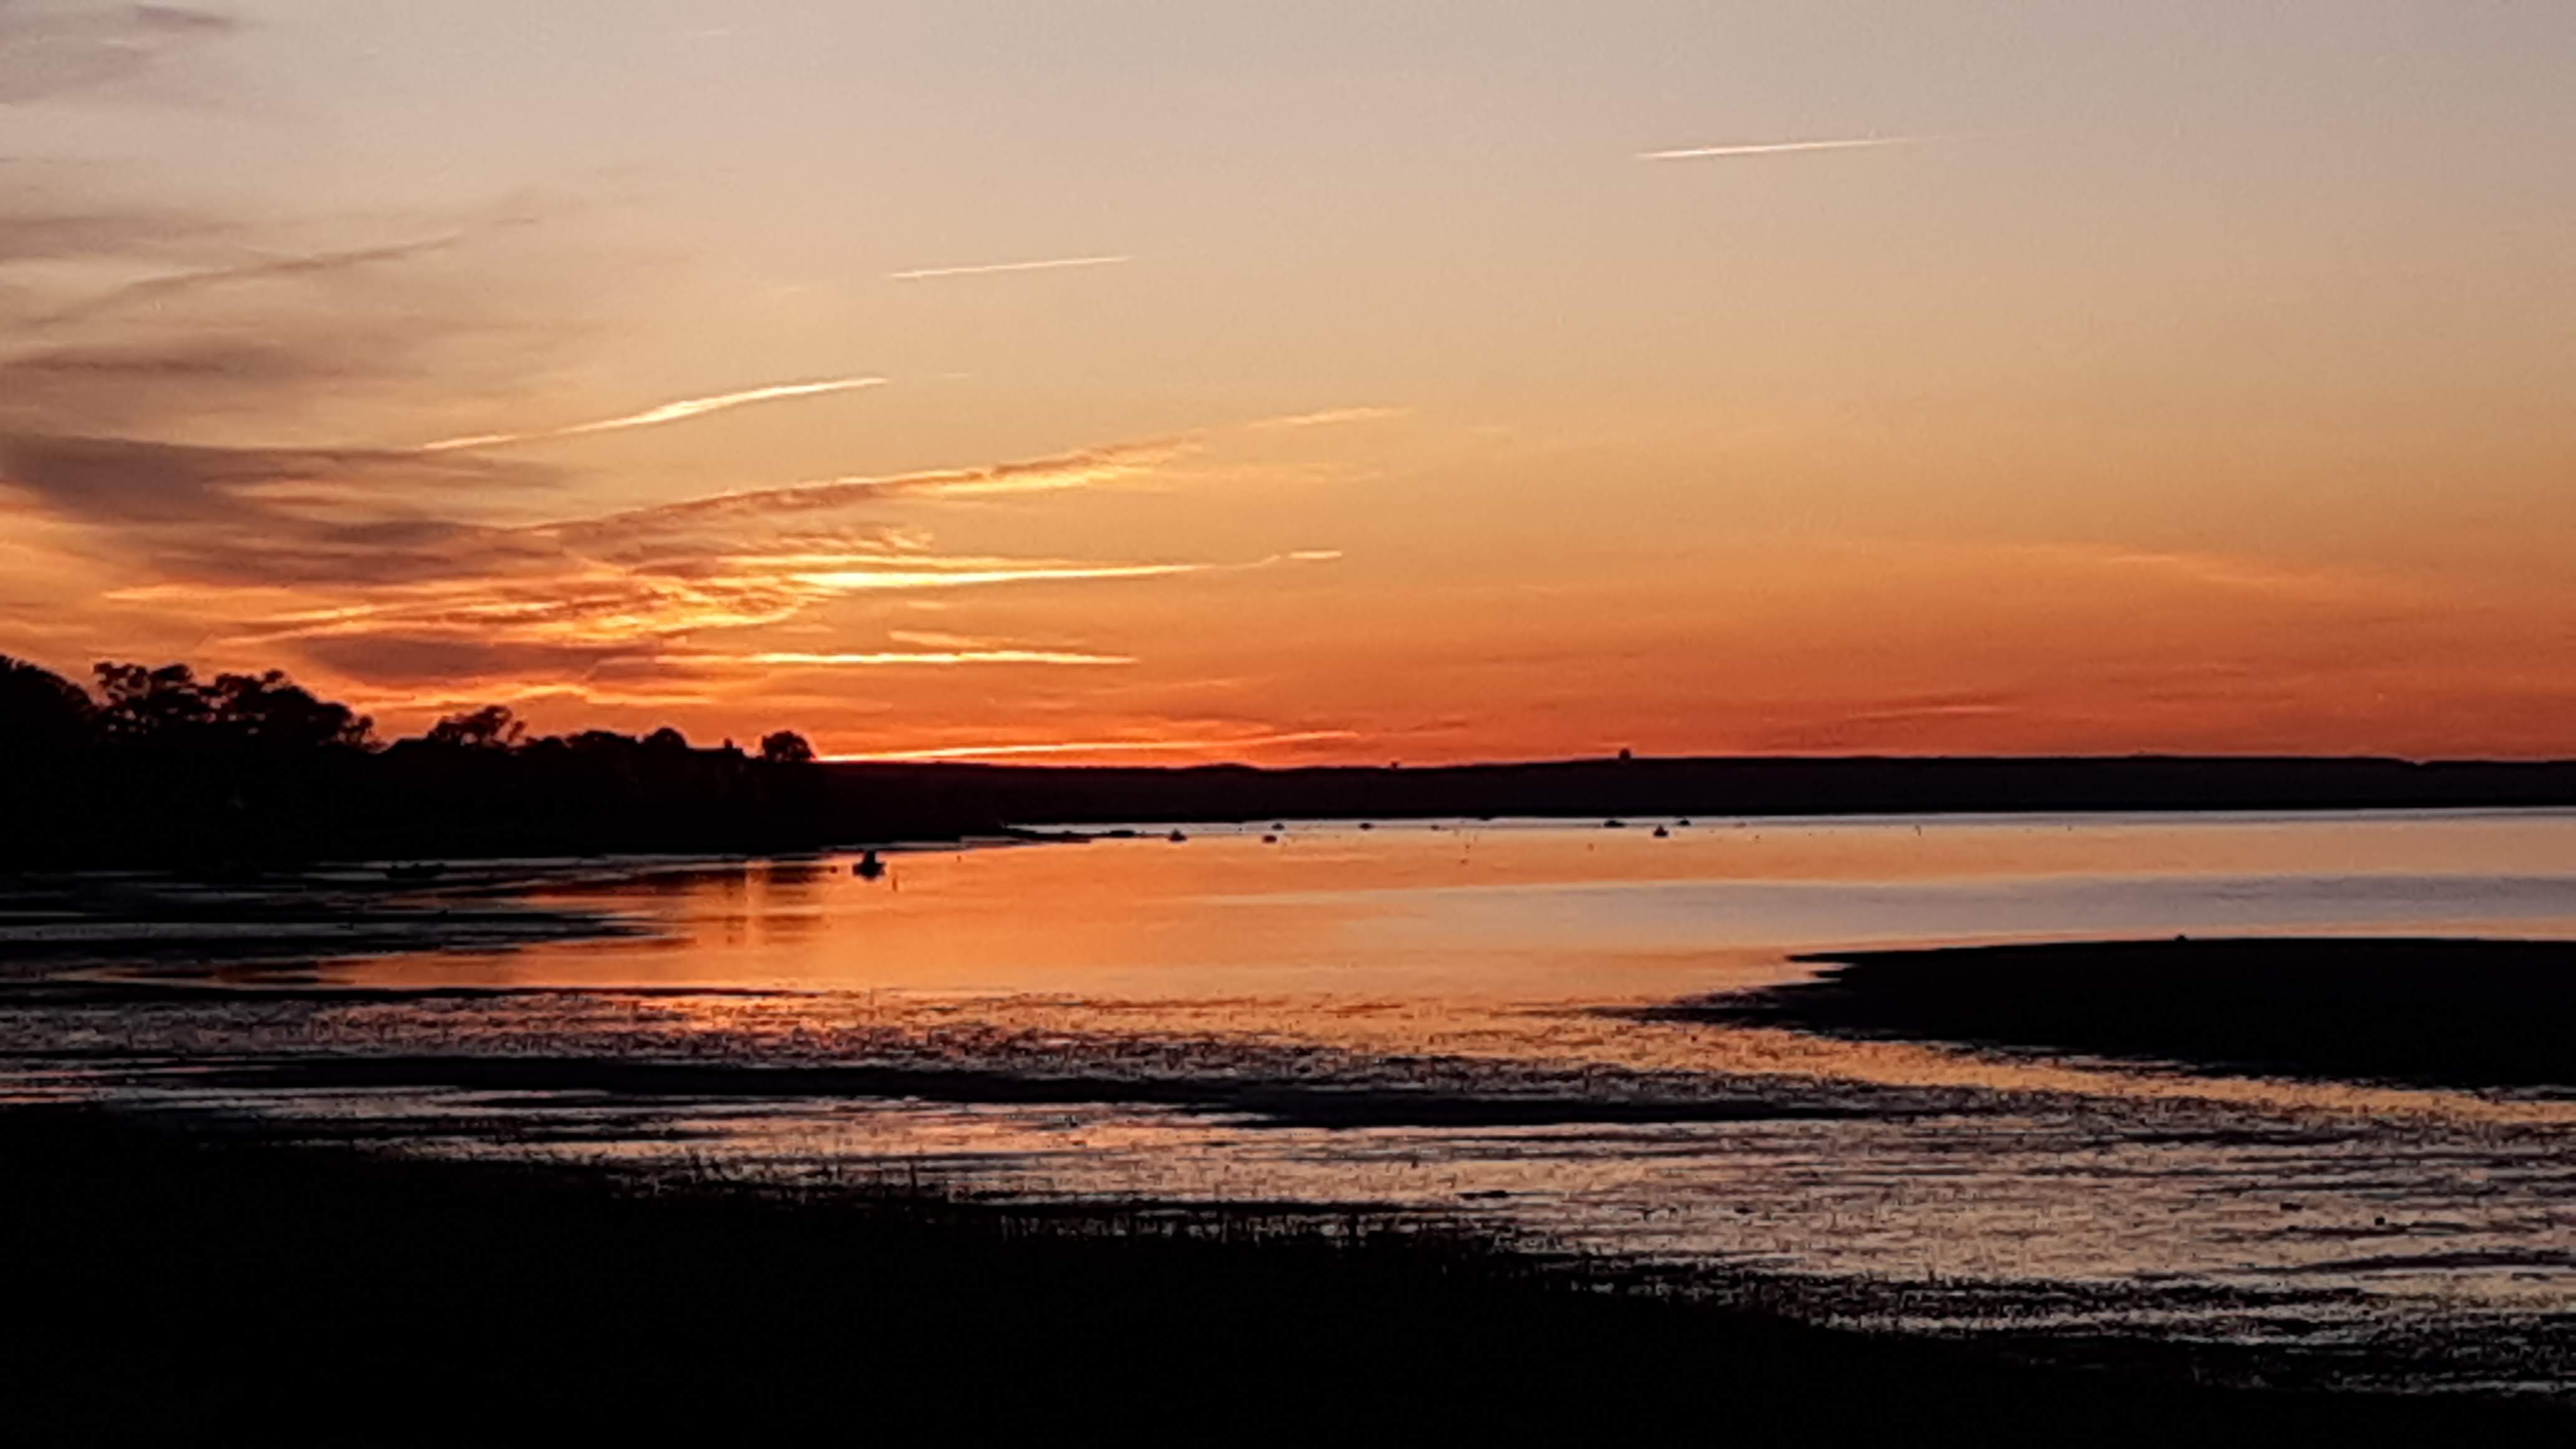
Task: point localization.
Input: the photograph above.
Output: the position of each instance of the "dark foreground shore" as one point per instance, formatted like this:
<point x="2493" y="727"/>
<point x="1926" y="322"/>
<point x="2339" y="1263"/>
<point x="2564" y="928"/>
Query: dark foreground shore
<point x="167" y="1286"/>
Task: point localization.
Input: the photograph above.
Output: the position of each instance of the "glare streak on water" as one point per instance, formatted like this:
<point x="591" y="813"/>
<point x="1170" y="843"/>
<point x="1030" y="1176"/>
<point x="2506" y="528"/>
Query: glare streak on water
<point x="1438" y="1017"/>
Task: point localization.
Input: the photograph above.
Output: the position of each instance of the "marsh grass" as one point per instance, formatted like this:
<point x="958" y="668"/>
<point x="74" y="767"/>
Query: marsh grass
<point x="184" y="1285"/>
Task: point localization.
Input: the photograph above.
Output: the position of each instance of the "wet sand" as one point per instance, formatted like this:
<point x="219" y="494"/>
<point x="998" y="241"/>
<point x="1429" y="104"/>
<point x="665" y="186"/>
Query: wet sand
<point x="209" y="1287"/>
<point x="2442" y="1012"/>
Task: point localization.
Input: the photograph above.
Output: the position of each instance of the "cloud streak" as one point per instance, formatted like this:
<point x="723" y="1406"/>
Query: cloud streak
<point x="1083" y="468"/>
<point x="1785" y="148"/>
<point x="1326" y="418"/>
<point x="334" y="553"/>
<point x="669" y="412"/>
<point x="160" y="289"/>
<point x="899" y="658"/>
<point x="33" y="229"/>
<point x="411" y="570"/>
<point x="988" y="269"/>
<point x="52" y="52"/>
<point x="902" y="573"/>
<point x="1090" y="747"/>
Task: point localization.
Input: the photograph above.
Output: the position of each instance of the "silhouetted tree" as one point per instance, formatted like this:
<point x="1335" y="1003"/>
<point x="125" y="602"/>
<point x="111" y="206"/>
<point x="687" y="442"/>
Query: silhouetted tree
<point x="170" y="708"/>
<point x="493" y="727"/>
<point x="666" y="738"/>
<point x="164" y="706"/>
<point x="41" y="710"/>
<point x="786" y="747"/>
<point x="272" y="713"/>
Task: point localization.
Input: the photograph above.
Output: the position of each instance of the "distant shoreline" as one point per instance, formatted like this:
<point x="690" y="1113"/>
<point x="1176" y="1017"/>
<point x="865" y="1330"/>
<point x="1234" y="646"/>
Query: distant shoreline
<point x="1666" y="788"/>
<point x="121" y="808"/>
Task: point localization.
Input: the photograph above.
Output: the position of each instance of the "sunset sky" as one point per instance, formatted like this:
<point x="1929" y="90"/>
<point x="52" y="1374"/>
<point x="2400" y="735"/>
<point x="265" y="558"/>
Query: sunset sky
<point x="1179" y="381"/>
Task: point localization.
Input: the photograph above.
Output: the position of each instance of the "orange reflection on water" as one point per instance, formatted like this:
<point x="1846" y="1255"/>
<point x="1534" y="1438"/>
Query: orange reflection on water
<point x="1504" y="941"/>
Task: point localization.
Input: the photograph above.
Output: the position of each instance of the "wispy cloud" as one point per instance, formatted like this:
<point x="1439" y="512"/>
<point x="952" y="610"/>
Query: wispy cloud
<point x="396" y="598"/>
<point x="145" y="341"/>
<point x="54" y="51"/>
<point x="669" y="412"/>
<point x="202" y="507"/>
<point x="1105" y="465"/>
<point x="125" y="319"/>
<point x="2284" y="580"/>
<point x="899" y="658"/>
<point x="161" y="289"/>
<point x="35" y="227"/>
<point x="391" y="567"/>
<point x="1099" y="747"/>
<point x="1327" y="418"/>
<point x="1784" y="148"/>
<point x="903" y="573"/>
<point x="1050" y="264"/>
<point x="1082" y="468"/>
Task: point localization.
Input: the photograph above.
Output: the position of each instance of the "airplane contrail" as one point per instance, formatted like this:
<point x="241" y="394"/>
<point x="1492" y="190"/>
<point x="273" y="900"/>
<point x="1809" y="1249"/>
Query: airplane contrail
<point x="925" y="273"/>
<point x="669" y="412"/>
<point x="1776" y="148"/>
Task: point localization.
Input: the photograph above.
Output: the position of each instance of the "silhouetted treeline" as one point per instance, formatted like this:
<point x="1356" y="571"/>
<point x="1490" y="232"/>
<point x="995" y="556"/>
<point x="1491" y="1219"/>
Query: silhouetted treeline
<point x="159" y="766"/>
<point x="1650" y="788"/>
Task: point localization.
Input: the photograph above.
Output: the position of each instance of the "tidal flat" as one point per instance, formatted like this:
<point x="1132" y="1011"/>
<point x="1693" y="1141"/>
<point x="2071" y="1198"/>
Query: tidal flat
<point x="1564" y="1045"/>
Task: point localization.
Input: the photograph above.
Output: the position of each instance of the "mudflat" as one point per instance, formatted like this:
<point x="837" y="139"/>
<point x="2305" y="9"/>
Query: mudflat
<point x="2429" y="1011"/>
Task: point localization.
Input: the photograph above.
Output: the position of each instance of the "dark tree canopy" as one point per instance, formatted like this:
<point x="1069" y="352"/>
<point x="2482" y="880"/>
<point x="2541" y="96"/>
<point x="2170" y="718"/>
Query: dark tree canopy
<point x="786" y="747"/>
<point x="493" y="727"/>
<point x="169" y="707"/>
<point x="146" y="705"/>
<point x="274" y="713"/>
<point x="161" y="764"/>
<point x="41" y="710"/>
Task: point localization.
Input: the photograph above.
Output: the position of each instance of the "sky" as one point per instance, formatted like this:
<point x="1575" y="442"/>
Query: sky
<point x="1166" y="382"/>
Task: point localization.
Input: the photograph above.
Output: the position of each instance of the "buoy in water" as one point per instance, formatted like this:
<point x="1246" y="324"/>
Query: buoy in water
<point x="869" y="867"/>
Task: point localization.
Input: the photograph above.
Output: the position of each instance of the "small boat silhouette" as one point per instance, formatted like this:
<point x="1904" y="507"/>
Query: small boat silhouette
<point x="1177" y="836"/>
<point x="1661" y="833"/>
<point x="869" y="867"/>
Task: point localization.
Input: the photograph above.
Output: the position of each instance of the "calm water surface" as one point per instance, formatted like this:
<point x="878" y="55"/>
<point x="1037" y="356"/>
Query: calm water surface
<point x="1439" y="1017"/>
